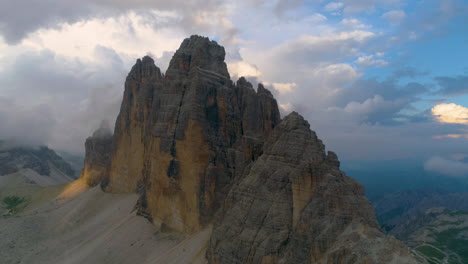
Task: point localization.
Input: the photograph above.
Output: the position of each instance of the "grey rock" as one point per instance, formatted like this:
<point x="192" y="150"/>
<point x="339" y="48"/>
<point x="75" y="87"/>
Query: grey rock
<point x="97" y="157"/>
<point x="294" y="205"/>
<point x="40" y="159"/>
<point x="202" y="150"/>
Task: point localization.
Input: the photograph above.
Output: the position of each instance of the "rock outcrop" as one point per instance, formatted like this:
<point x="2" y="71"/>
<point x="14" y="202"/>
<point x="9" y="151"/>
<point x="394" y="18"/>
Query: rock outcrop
<point x="181" y="139"/>
<point x="97" y="158"/>
<point x="200" y="150"/>
<point x="294" y="205"/>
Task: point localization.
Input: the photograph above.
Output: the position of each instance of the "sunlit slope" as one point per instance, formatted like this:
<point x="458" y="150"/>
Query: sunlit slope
<point x="90" y="226"/>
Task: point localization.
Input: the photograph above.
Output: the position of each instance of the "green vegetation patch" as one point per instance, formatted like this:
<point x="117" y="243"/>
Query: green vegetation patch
<point x="449" y="239"/>
<point x="430" y="252"/>
<point x="14" y="203"/>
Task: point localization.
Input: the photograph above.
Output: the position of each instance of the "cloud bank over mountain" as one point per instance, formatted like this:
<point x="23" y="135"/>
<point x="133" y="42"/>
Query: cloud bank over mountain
<point x="356" y="69"/>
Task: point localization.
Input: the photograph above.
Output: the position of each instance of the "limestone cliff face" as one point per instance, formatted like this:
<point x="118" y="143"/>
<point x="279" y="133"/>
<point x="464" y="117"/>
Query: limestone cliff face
<point x="294" y="205"/>
<point x="200" y="150"/>
<point x="97" y="157"/>
<point x="181" y="139"/>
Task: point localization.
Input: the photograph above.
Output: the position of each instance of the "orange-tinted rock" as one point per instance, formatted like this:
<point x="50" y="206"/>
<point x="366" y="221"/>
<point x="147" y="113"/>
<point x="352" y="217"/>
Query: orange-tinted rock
<point x="97" y="158"/>
<point x="194" y="144"/>
<point x="181" y="139"/>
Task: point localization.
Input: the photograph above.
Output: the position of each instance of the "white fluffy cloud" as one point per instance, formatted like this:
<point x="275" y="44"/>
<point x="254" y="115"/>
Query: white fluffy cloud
<point x="238" y="69"/>
<point x="452" y="168"/>
<point x="394" y="16"/>
<point x="333" y="6"/>
<point x="371" y="60"/>
<point x="62" y="69"/>
<point x="282" y="88"/>
<point x="450" y="113"/>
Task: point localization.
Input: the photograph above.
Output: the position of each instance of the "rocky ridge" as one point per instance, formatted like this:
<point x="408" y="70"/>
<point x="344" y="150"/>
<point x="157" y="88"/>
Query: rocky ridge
<point x="40" y="159"/>
<point x="201" y="150"/>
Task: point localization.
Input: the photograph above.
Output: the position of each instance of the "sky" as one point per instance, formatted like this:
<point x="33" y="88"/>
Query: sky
<point x="376" y="79"/>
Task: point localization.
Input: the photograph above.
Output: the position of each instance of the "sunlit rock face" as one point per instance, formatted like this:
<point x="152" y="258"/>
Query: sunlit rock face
<point x="97" y="158"/>
<point x="201" y="150"/>
<point x="182" y="138"/>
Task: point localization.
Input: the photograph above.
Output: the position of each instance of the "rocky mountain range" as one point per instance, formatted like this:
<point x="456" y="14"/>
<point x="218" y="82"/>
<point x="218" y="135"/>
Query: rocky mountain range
<point x="204" y="153"/>
<point x="434" y="223"/>
<point x="41" y="161"/>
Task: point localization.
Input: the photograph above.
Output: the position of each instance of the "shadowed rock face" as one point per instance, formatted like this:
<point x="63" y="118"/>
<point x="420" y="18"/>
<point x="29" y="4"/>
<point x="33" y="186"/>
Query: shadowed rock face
<point x="293" y="206"/>
<point x="97" y="158"/>
<point x="202" y="150"/>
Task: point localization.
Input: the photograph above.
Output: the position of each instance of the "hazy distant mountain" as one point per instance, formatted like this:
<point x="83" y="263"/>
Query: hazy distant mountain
<point x="441" y="235"/>
<point x="40" y="164"/>
<point x="416" y="218"/>
<point x="385" y="177"/>
<point x="76" y="161"/>
<point x="394" y="210"/>
<point x="25" y="175"/>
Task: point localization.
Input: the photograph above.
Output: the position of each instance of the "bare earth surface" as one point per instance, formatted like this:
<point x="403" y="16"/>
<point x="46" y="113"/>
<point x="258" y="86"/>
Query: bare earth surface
<point x="108" y="231"/>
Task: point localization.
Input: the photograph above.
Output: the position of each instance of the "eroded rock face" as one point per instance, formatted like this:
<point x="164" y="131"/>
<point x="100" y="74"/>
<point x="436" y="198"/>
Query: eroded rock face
<point x="202" y="150"/>
<point x="294" y="205"/>
<point x="97" y="157"/>
<point x="181" y="139"/>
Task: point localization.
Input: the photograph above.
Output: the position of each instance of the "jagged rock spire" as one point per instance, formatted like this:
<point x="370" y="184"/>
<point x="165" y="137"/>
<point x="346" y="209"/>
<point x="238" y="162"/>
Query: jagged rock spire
<point x="198" y="52"/>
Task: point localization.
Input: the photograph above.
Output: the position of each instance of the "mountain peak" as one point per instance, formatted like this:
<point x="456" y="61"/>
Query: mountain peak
<point x="198" y="52"/>
<point x="201" y="151"/>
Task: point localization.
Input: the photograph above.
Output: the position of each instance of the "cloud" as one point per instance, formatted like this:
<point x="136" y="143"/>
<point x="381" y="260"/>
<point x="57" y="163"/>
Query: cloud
<point x="375" y="109"/>
<point x="353" y="24"/>
<point x="452" y="168"/>
<point x="129" y="35"/>
<point x="239" y="69"/>
<point x="370" y="60"/>
<point x="282" y="7"/>
<point x="453" y="86"/>
<point x="454" y="136"/>
<point x="311" y="50"/>
<point x="369" y="6"/>
<point x="389" y="89"/>
<point x="29" y="125"/>
<point x="18" y="19"/>
<point x="57" y="101"/>
<point x="394" y="16"/>
<point x="450" y="113"/>
<point x="356" y="6"/>
<point x="70" y="60"/>
<point x="282" y="88"/>
<point x="333" y="6"/>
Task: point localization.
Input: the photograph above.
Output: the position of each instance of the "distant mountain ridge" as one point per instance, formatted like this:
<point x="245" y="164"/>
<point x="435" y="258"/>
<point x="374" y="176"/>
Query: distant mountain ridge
<point x="435" y="223"/>
<point x="40" y="159"/>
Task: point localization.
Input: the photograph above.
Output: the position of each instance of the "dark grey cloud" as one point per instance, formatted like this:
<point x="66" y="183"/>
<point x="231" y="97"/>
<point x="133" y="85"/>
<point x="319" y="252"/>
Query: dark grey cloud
<point x="452" y="85"/>
<point x="23" y="124"/>
<point x="19" y="18"/>
<point x="354" y="141"/>
<point x="381" y="102"/>
<point x="389" y="89"/>
<point x="57" y="101"/>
